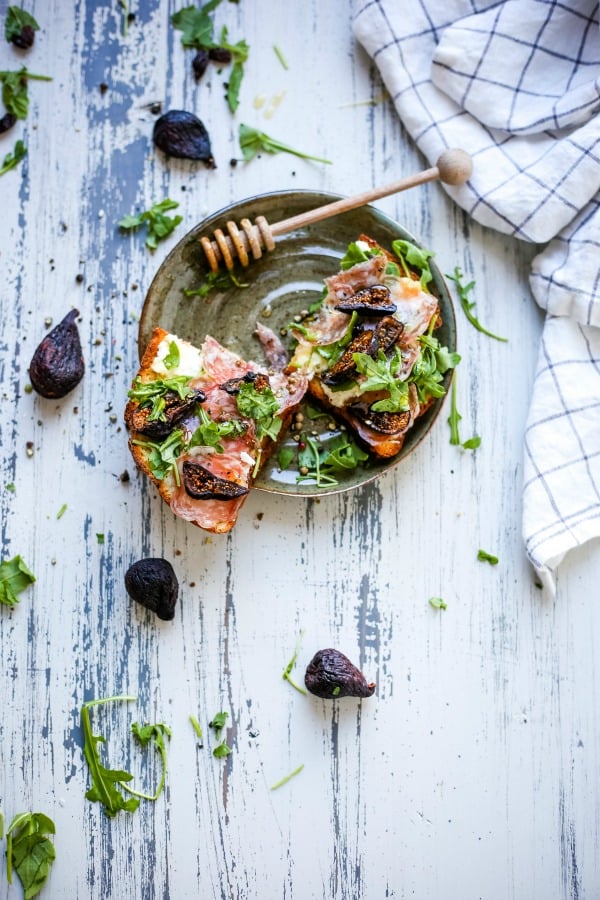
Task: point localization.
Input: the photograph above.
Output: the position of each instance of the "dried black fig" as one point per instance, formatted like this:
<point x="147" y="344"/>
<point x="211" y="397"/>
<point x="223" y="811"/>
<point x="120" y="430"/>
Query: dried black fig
<point x="200" y="64"/>
<point x="370" y="301"/>
<point x="182" y="134"/>
<point x="174" y="412"/>
<point x="258" y="379"/>
<point x="220" y="55"/>
<point x="57" y="365"/>
<point x="24" y="38"/>
<point x="7" y="121"/>
<point x="330" y="674"/>
<point x="153" y="583"/>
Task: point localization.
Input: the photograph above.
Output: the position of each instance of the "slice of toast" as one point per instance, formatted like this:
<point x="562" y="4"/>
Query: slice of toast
<point x="369" y="351"/>
<point x="202" y="422"/>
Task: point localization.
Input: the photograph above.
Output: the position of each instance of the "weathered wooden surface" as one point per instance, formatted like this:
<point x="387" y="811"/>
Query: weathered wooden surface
<point x="473" y="771"/>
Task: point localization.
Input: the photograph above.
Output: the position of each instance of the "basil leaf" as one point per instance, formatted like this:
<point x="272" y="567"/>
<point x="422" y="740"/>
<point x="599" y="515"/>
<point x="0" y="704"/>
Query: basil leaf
<point x="14" y="578"/>
<point x="29" y="852"/>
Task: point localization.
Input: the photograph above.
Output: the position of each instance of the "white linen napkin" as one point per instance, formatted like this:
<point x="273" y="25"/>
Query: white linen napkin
<point x="517" y="84"/>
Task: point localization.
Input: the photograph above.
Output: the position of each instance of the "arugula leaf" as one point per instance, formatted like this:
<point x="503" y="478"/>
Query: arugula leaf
<point x="12" y="160"/>
<point x="29" y="852"/>
<point x="152" y="393"/>
<point x="220" y="281"/>
<point x="104" y="780"/>
<point x="14" y="90"/>
<point x="437" y="603"/>
<point x="287" y="676"/>
<point x="209" y="433"/>
<point x="162" y="458"/>
<point x="319" y="461"/>
<point x="222" y="750"/>
<point x="16" y="20"/>
<point x="453" y="420"/>
<point x="357" y="252"/>
<point x="261" y="406"/>
<point x="467" y="305"/>
<point x="417" y="257"/>
<point x="429" y="368"/>
<point x="286" y="778"/>
<point x="284" y="457"/>
<point x="196" y="25"/>
<point x="218" y="722"/>
<point x="159" y="226"/>
<point x="14" y="578"/>
<point x="381" y="375"/>
<point x="155" y="734"/>
<point x="252" y="141"/>
<point x="173" y="357"/>
<point x="483" y="556"/>
<point x="239" y="54"/>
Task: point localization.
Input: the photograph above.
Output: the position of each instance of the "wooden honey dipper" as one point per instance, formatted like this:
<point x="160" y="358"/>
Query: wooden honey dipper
<point x="453" y="167"/>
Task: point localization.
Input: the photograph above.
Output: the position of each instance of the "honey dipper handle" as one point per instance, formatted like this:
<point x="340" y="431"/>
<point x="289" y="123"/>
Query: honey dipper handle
<point x="453" y="167"/>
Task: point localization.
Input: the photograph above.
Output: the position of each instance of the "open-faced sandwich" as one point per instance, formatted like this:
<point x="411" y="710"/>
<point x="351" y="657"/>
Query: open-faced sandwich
<point x="369" y="348"/>
<point x="202" y="423"/>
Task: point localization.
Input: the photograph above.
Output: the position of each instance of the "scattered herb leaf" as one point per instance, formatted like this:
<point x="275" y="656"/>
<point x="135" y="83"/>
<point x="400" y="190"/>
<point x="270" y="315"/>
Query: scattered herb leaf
<point x="61" y="511"/>
<point x="154" y="734"/>
<point x="173" y="357"/>
<point x="99" y="537"/>
<point x="453" y="420"/>
<point x="239" y="55"/>
<point x="104" y="780"/>
<point x="14" y="90"/>
<point x="287" y="676"/>
<point x="12" y="160"/>
<point x="10" y="487"/>
<point x="196" y="25"/>
<point x="483" y="556"/>
<point x="321" y="461"/>
<point x="14" y="578"/>
<point x="468" y="305"/>
<point x="253" y="141"/>
<point x="286" y="778"/>
<point x="220" y="281"/>
<point x="152" y="393"/>
<point x="284" y="457"/>
<point x="218" y="722"/>
<point x="29" y="852"/>
<point x="159" y="225"/>
<point x="261" y="406"/>
<point x="437" y="603"/>
<point x="222" y="750"/>
<point x="16" y="20"/>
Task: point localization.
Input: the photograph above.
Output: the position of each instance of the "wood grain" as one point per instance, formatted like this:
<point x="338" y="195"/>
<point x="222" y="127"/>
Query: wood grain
<point x="472" y="773"/>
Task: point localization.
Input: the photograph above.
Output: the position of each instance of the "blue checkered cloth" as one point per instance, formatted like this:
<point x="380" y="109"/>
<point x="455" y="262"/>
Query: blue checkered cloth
<point x="517" y="84"/>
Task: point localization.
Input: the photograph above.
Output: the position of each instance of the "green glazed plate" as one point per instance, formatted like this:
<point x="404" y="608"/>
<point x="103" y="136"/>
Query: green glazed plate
<point x="277" y="287"/>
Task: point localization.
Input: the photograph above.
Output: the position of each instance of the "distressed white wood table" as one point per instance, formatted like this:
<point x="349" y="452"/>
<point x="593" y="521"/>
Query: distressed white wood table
<point x="473" y="771"/>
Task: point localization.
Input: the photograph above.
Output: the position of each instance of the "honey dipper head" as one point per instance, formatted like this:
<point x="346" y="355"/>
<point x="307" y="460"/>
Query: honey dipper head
<point x="455" y="166"/>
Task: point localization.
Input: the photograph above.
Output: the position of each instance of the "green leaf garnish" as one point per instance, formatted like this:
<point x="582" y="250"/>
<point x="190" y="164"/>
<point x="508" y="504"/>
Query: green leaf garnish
<point x="253" y="141"/>
<point x="322" y="461"/>
<point x="222" y="750"/>
<point x="14" y="90"/>
<point x="159" y="225"/>
<point x="197" y="727"/>
<point x="431" y="365"/>
<point x="358" y="253"/>
<point x="468" y="305"/>
<point x="155" y="734"/>
<point x="453" y="420"/>
<point x="14" y="578"/>
<point x="12" y="160"/>
<point x="29" y="852"/>
<point x="209" y="432"/>
<point x="288" y="669"/>
<point x="280" y="56"/>
<point x="437" y="603"/>
<point x="239" y="55"/>
<point x="99" y="537"/>
<point x="173" y="357"/>
<point x="284" y="458"/>
<point x="104" y="780"/>
<point x="162" y="457"/>
<point x="415" y="257"/>
<point x="61" y="511"/>
<point x="196" y="25"/>
<point x="153" y="393"/>
<point x="16" y="20"/>
<point x="381" y="374"/>
<point x="218" y="722"/>
<point x="483" y="556"/>
<point x="261" y="406"/>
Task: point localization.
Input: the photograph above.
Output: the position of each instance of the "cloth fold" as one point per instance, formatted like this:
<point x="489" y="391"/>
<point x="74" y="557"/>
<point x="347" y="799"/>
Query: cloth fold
<point x="517" y="84"/>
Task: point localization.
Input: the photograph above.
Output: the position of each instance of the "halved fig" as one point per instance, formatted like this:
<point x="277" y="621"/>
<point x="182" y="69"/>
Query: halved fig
<point x="383" y="422"/>
<point x="369" y="301"/>
<point x="386" y="334"/>
<point x="345" y="368"/>
<point x="258" y="379"/>
<point x="201" y="484"/>
<point x="175" y="410"/>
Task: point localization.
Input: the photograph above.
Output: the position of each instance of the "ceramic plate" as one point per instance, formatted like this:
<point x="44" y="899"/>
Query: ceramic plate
<point x="278" y="286"/>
